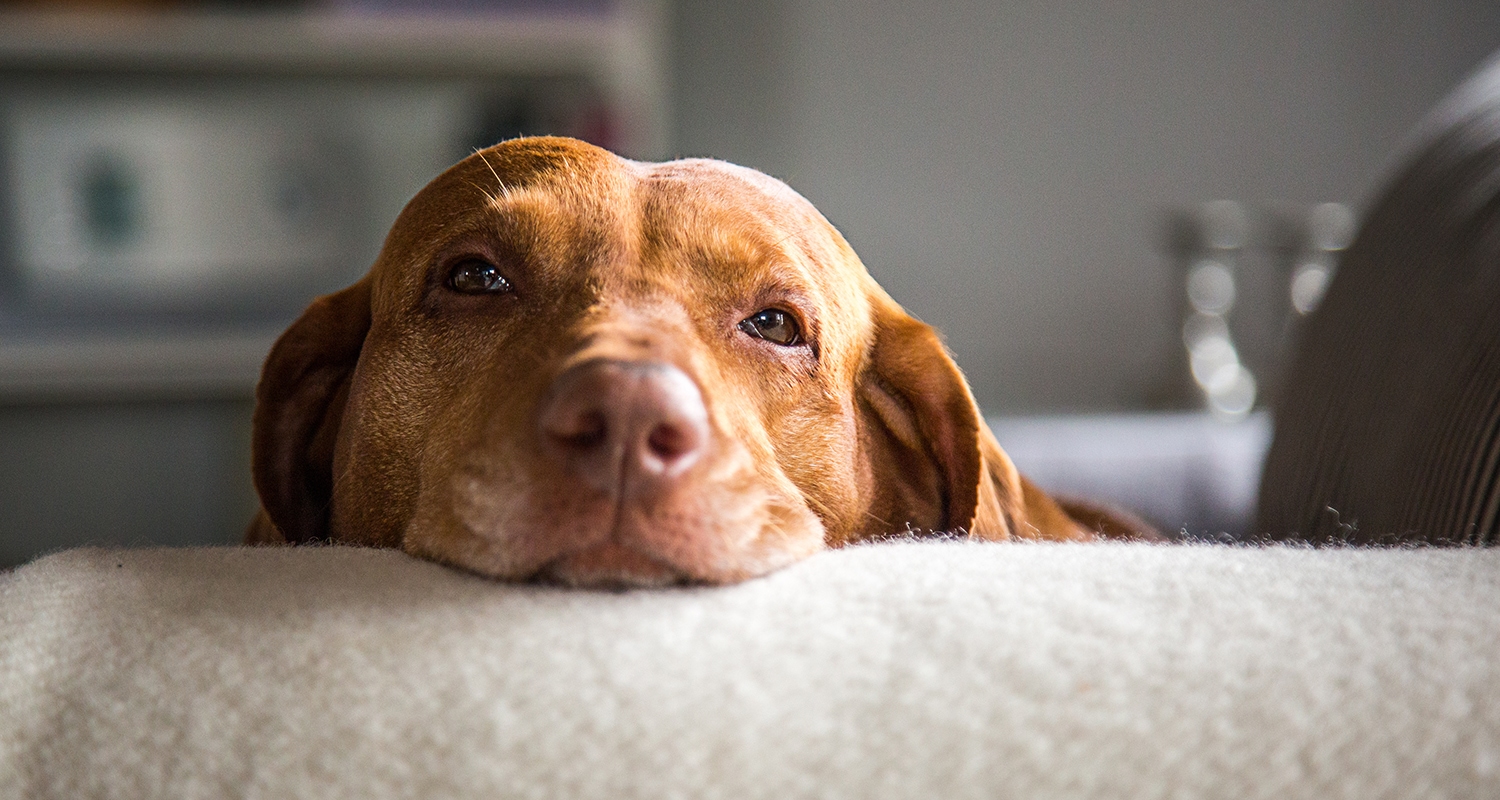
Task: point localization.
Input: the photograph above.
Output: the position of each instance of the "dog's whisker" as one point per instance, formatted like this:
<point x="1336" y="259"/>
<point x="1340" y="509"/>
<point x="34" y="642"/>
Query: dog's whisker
<point x="491" y="199"/>
<point x="504" y="190"/>
<point x="818" y="507"/>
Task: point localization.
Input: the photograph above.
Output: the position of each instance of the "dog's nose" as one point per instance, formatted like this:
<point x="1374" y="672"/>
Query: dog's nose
<point x="624" y="426"/>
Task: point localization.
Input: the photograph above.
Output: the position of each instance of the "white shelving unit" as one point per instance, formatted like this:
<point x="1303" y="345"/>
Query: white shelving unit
<point x="623" y="50"/>
<point x="132" y="365"/>
<point x="620" y="52"/>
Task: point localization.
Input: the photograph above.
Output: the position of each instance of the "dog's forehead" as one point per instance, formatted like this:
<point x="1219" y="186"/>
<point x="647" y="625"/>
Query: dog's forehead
<point x="712" y="216"/>
<point x="728" y="214"/>
<point x="692" y="194"/>
<point x="706" y="183"/>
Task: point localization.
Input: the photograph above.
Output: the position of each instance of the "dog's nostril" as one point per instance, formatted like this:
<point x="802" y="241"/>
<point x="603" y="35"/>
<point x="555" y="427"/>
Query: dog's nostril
<point x="669" y="442"/>
<point x="583" y="431"/>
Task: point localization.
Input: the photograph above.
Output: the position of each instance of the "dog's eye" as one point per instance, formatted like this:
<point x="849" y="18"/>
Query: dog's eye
<point x="773" y="325"/>
<point x="476" y="276"/>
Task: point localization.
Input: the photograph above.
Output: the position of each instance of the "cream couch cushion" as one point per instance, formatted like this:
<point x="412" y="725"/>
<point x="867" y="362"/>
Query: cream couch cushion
<point x="897" y="670"/>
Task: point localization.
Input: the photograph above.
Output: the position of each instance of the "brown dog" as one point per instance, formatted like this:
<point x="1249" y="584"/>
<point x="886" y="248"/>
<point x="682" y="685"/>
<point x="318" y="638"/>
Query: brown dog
<point x="568" y="365"/>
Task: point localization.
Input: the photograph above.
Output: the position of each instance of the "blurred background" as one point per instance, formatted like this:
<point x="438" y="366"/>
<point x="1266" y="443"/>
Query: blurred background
<point x="1117" y="213"/>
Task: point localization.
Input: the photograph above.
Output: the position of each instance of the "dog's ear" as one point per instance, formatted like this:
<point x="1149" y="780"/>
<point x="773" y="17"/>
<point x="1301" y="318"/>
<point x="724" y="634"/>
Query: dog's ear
<point x="933" y="464"/>
<point x="299" y="405"/>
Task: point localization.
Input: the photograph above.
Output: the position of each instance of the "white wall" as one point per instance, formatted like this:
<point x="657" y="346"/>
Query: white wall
<point x="1004" y="167"/>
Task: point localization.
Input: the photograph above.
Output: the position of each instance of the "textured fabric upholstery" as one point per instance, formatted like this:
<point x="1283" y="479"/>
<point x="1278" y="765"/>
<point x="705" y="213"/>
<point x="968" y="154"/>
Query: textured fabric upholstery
<point x="933" y="670"/>
<point x="1389" y="424"/>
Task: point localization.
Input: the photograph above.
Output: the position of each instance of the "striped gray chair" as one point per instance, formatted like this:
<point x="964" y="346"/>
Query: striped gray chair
<point x="1388" y="427"/>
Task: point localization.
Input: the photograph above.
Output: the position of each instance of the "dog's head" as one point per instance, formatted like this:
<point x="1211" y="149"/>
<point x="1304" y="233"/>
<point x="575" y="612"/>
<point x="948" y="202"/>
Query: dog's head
<point x="565" y="364"/>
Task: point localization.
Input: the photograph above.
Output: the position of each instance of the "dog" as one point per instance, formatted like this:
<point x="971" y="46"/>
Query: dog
<point x="569" y="366"/>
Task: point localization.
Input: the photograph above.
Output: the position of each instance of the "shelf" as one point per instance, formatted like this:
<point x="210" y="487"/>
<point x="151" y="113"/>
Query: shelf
<point x="303" y="42"/>
<point x="135" y="365"/>
<point x="621" y="50"/>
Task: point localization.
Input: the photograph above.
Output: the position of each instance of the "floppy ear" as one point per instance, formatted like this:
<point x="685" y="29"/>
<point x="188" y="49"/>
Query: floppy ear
<point x="299" y="404"/>
<point x="933" y="464"/>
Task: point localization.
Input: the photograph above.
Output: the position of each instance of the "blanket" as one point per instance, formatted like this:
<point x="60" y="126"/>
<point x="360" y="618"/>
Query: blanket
<point x="907" y="669"/>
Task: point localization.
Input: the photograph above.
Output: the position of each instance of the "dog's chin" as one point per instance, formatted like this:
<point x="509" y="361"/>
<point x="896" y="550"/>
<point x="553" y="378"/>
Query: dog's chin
<point x="593" y="545"/>
<point x="611" y="566"/>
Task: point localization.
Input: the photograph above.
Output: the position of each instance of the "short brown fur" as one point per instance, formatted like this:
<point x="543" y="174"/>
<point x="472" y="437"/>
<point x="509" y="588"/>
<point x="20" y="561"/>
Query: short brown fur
<point x="399" y="413"/>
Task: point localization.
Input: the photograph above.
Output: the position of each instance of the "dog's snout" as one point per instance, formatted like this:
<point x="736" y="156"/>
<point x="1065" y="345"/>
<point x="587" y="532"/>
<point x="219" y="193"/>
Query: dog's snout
<point x="623" y="426"/>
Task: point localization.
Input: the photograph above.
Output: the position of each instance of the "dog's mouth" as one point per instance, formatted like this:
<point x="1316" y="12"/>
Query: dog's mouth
<point x="621" y="560"/>
<point x="620" y="487"/>
<point x="611" y="565"/>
